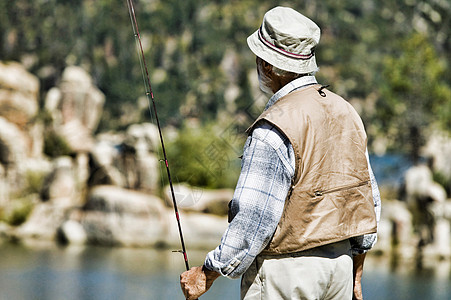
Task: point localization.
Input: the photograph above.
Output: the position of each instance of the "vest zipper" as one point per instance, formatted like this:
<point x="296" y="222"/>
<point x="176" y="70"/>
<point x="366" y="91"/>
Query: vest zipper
<point x="320" y="193"/>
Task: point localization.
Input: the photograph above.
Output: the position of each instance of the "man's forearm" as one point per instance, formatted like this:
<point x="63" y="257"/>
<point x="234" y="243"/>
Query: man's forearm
<point x="358" y="261"/>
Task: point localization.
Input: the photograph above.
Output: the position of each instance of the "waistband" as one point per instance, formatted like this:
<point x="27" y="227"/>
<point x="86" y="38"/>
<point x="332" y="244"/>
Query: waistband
<point x="332" y="250"/>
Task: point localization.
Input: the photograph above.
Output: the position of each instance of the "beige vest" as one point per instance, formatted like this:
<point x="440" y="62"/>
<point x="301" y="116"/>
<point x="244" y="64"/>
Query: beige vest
<point x="330" y="199"/>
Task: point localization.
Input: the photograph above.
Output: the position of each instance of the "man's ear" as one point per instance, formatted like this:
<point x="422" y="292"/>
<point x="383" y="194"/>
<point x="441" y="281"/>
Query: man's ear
<point x="267" y="68"/>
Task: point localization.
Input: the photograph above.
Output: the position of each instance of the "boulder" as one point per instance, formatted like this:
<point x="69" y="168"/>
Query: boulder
<point x="143" y="139"/>
<point x="18" y="164"/>
<point x="103" y="171"/>
<point x="76" y="107"/>
<point x="5" y="231"/>
<point x="76" y="135"/>
<point x="116" y="216"/>
<point x="200" y="231"/>
<point x="420" y="184"/>
<point x="81" y="100"/>
<point x="4" y="187"/>
<point x="395" y="229"/>
<point x="72" y="232"/>
<point x="43" y="222"/>
<point x="19" y="92"/>
<point x="422" y="193"/>
<point x="13" y="154"/>
<point x="127" y="160"/>
<point x="13" y="144"/>
<point x="21" y="137"/>
<point x="442" y="229"/>
<point x="60" y="186"/>
<point x="438" y="148"/>
<point x="199" y="199"/>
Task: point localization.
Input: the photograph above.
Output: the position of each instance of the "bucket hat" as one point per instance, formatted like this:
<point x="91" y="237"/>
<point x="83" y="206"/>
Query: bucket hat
<point x="286" y="39"/>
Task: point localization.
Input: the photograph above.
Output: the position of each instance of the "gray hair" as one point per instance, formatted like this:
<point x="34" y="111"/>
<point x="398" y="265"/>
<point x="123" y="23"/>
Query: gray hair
<point x="283" y="73"/>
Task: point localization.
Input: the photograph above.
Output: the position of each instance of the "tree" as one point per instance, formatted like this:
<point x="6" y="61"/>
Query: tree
<point x="414" y="95"/>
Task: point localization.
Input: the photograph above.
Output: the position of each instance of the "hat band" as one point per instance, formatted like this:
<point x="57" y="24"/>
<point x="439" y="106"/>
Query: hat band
<point x="284" y="52"/>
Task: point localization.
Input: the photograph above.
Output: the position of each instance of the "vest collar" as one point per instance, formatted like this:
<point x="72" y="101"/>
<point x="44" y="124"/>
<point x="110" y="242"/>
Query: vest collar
<point x="290" y="87"/>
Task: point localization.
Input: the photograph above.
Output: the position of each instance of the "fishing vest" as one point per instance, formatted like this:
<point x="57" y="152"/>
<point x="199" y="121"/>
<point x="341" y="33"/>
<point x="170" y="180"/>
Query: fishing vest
<point x="330" y="199"/>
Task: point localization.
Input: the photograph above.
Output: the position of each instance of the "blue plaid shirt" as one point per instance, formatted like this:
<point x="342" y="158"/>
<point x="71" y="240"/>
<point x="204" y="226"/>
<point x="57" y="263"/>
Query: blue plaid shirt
<point x="267" y="167"/>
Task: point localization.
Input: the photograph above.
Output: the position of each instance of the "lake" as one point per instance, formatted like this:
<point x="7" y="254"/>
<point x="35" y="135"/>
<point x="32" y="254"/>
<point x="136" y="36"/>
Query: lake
<point x="49" y="272"/>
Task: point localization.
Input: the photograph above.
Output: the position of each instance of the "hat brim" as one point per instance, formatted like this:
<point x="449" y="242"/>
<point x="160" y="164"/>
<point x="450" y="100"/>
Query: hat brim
<point x="300" y="66"/>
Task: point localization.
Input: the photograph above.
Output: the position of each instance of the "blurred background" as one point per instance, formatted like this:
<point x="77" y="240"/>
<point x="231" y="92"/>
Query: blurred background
<point x="84" y="206"/>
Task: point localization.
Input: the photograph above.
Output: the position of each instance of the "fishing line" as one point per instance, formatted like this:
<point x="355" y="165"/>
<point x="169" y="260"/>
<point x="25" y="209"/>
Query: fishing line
<point x="152" y="106"/>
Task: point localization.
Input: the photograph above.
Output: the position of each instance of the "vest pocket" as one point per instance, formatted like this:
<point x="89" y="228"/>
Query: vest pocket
<point x="319" y="193"/>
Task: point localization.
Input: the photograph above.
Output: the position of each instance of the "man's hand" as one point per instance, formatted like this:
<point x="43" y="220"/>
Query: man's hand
<point x="357" y="291"/>
<point x="358" y="272"/>
<point x="197" y="281"/>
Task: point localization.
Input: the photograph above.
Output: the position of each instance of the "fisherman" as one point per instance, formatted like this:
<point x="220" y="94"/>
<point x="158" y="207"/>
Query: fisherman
<point x="306" y="206"/>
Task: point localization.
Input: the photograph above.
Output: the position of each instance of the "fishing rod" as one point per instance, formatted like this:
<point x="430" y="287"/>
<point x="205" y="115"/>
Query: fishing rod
<point x="151" y="99"/>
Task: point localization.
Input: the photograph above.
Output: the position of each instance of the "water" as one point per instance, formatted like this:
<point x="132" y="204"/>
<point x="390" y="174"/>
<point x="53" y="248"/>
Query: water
<point x="389" y="169"/>
<point x="48" y="272"/>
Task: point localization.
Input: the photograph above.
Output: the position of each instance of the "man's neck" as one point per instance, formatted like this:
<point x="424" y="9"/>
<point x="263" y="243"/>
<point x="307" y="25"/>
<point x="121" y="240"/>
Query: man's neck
<point x="296" y="84"/>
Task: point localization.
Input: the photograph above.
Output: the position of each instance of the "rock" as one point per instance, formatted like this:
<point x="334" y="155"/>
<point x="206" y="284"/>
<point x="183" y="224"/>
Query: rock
<point x="104" y="156"/>
<point x="5" y="230"/>
<point x="442" y="229"/>
<point x="76" y="108"/>
<point x="13" y="154"/>
<point x="395" y="228"/>
<point x="145" y="137"/>
<point x="72" y="232"/>
<point x="36" y="134"/>
<point x="442" y="241"/>
<point x="13" y="144"/>
<point x="4" y="187"/>
<point x="384" y="237"/>
<point x="426" y="201"/>
<point x="143" y="140"/>
<point x="82" y="169"/>
<point x="200" y="231"/>
<point x="76" y="135"/>
<point x="198" y="199"/>
<point x="148" y="172"/>
<point x="60" y="186"/>
<point x="43" y="222"/>
<point x="21" y="137"/>
<point x="420" y="184"/>
<point x="19" y="91"/>
<point x="422" y="194"/>
<point x="81" y="100"/>
<point x="116" y="216"/>
<point x="127" y="160"/>
<point x="439" y="148"/>
<point x="17" y="160"/>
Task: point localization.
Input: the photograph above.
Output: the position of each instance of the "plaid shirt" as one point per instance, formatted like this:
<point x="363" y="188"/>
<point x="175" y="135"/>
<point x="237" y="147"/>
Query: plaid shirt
<point x="267" y="168"/>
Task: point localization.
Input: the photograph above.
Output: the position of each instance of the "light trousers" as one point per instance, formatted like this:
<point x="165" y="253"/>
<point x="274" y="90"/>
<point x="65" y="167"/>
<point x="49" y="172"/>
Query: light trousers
<point x="322" y="273"/>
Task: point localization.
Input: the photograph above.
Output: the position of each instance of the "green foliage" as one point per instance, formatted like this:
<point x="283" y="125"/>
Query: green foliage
<point x="34" y="182"/>
<point x="414" y="95"/>
<point x="23" y="201"/>
<point x="201" y="156"/>
<point x="186" y="42"/>
<point x="17" y="212"/>
<point x="443" y="180"/>
<point x="55" y="145"/>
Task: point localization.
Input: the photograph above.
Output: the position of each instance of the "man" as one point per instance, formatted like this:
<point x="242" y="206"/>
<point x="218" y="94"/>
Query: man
<point x="305" y="207"/>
